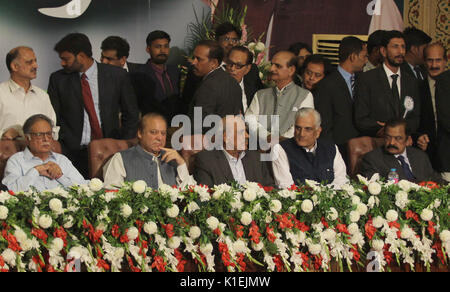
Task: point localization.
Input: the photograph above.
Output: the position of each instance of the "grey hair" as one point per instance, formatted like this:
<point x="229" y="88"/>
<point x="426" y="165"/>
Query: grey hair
<point x="32" y="120"/>
<point x="305" y="111"/>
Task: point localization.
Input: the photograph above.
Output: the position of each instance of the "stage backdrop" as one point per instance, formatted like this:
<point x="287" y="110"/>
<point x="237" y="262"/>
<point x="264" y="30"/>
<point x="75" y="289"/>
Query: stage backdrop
<point x="22" y="24"/>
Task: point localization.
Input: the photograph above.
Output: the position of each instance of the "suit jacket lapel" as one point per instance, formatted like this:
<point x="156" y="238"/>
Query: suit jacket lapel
<point x="391" y="162"/>
<point x="341" y="82"/>
<point x="249" y="167"/>
<point x="224" y="165"/>
<point x="415" y="168"/>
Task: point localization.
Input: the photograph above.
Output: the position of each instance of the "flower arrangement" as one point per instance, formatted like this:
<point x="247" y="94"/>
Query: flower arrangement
<point x="306" y="228"/>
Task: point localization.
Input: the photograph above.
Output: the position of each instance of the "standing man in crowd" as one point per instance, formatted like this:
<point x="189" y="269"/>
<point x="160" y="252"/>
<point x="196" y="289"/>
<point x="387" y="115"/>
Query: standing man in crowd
<point x="115" y="51"/>
<point x="302" y="51"/>
<point x="315" y="68"/>
<point x="435" y="109"/>
<point x="387" y="92"/>
<point x="158" y="83"/>
<point x="334" y="96"/>
<point x="373" y="48"/>
<point x="87" y="98"/>
<point x="284" y="100"/>
<point x="416" y="41"/>
<point x="219" y="93"/>
<point x="19" y="99"/>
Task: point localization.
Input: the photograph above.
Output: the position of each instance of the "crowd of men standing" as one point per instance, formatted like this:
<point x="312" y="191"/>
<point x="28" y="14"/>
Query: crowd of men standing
<point x="394" y="86"/>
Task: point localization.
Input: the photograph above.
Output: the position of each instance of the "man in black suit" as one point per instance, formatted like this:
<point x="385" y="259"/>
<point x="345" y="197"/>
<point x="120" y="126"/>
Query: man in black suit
<point x="87" y="98"/>
<point x="410" y="163"/>
<point x="228" y="36"/>
<point x="219" y="93"/>
<point x="416" y="40"/>
<point x="234" y="162"/>
<point x="115" y="51"/>
<point x="435" y="109"/>
<point x="239" y="64"/>
<point x="379" y="99"/>
<point x="334" y="96"/>
<point x="158" y="83"/>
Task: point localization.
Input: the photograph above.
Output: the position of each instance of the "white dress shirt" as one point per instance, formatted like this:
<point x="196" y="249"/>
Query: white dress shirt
<point x="282" y="173"/>
<point x="252" y="114"/>
<point x="114" y="173"/>
<point x="237" y="168"/>
<point x="16" y="106"/>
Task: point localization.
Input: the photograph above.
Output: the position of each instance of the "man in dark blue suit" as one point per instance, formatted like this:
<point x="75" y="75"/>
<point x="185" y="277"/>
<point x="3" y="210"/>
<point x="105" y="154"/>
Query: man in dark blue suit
<point x="157" y="83"/>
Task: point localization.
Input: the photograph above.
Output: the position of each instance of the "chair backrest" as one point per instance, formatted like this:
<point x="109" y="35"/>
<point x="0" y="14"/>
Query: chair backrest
<point x="100" y="151"/>
<point x="9" y="148"/>
<point x="357" y="148"/>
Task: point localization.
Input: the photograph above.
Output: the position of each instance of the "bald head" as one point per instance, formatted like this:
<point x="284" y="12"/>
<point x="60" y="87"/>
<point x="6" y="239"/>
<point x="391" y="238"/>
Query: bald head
<point x="22" y="64"/>
<point x="283" y="68"/>
<point x="14" y="54"/>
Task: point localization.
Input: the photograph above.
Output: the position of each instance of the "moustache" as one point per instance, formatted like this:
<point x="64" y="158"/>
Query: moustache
<point x="392" y="147"/>
<point x="163" y="55"/>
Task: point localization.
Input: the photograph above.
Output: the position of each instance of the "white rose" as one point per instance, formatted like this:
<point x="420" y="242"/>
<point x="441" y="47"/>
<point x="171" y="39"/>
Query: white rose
<point x="275" y="206"/>
<point x="239" y="246"/>
<point x="206" y="248"/>
<point x="353" y="228"/>
<point x="3" y="213"/>
<point x="68" y="222"/>
<point x="95" y="185"/>
<point x="404" y="185"/>
<point x="374" y="188"/>
<point x="139" y="186"/>
<point x="173" y="211"/>
<point x="260" y="47"/>
<point x="132" y="233"/>
<point x="332" y="214"/>
<point x="391" y="216"/>
<point x="329" y="234"/>
<point x="407" y="233"/>
<point x="426" y="215"/>
<point x="378" y="244"/>
<point x="56" y="206"/>
<point x="150" y="228"/>
<point x="445" y="236"/>
<point x="258" y="247"/>
<point x="57" y="245"/>
<point x="212" y="222"/>
<point x="125" y="210"/>
<point x="45" y="221"/>
<point x="20" y="235"/>
<point x="354" y="216"/>
<point x="192" y="207"/>
<point x="401" y="199"/>
<point x="307" y="206"/>
<point x="249" y="195"/>
<point x="194" y="232"/>
<point x="268" y="219"/>
<point x="362" y="209"/>
<point x="246" y="218"/>
<point x="174" y="242"/>
<point x="9" y="256"/>
<point x="251" y="46"/>
<point x="356" y="200"/>
<point x="315" y="249"/>
<point x="378" y="222"/>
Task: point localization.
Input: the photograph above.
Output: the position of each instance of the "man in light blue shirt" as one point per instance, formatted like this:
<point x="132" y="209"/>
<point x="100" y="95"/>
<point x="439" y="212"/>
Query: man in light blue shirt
<point x="37" y="166"/>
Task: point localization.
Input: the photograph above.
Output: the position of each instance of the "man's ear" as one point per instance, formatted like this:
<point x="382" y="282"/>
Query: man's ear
<point x="383" y="51"/>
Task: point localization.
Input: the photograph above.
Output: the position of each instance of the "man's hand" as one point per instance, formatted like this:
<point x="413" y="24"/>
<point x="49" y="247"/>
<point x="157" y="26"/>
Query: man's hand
<point x="11" y="134"/>
<point x="172" y="154"/>
<point x="50" y="170"/>
<point x="423" y="141"/>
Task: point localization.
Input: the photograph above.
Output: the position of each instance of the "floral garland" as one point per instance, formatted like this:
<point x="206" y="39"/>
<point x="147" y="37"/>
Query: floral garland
<point x="305" y="228"/>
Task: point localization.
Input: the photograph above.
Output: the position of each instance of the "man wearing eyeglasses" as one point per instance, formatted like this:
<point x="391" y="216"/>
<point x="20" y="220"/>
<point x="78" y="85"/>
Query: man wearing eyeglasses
<point x="115" y="52"/>
<point x="37" y="166"/>
<point x="410" y="163"/>
<point x="239" y="64"/>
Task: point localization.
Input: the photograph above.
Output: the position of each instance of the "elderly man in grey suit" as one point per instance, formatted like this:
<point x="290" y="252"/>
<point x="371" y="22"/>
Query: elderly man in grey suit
<point x="410" y="163"/>
<point x="234" y="162"/>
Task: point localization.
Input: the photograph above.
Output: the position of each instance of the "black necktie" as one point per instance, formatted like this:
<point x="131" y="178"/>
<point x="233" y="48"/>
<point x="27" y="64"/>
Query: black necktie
<point x="418" y="73"/>
<point x="167" y="86"/>
<point x="406" y="168"/>
<point x="395" y="93"/>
